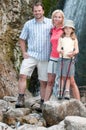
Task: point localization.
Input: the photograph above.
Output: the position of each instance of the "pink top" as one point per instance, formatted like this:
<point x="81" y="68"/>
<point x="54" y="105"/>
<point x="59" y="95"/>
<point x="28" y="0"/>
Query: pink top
<point x="55" y="34"/>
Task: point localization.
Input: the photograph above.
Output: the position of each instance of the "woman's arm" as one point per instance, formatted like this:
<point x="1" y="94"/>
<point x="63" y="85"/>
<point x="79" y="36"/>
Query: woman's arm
<point x="59" y="47"/>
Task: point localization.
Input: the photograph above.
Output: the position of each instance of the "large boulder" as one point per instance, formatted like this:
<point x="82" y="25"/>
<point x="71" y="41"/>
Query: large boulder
<point x="56" y="111"/>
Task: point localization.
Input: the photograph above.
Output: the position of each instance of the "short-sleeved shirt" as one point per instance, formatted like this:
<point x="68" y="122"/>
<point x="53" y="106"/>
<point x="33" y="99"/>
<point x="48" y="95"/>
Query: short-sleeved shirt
<point x="37" y="35"/>
<point x="55" y="35"/>
<point x="67" y="44"/>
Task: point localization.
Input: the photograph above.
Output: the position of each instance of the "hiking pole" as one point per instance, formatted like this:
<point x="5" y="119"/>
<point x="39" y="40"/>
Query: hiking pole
<point x="67" y="76"/>
<point x="60" y="96"/>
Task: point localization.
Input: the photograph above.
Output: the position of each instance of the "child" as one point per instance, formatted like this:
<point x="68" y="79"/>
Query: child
<point x="68" y="48"/>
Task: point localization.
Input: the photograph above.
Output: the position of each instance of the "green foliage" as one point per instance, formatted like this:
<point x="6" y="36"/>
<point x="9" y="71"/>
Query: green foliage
<point x="49" y="5"/>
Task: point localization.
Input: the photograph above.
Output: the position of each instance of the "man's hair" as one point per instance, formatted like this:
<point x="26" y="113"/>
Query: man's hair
<point x="38" y="4"/>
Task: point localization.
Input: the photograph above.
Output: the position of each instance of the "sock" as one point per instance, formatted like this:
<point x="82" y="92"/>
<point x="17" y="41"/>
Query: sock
<point x="21" y="95"/>
<point x="42" y="100"/>
<point x="67" y="90"/>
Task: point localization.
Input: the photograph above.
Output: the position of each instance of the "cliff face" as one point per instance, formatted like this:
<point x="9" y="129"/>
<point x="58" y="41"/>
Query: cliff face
<point x="13" y="13"/>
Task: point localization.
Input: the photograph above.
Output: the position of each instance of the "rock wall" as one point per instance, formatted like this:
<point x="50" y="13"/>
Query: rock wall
<point x="13" y="14"/>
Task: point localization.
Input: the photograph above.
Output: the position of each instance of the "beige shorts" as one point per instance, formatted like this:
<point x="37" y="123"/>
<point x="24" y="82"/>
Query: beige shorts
<point x="28" y="66"/>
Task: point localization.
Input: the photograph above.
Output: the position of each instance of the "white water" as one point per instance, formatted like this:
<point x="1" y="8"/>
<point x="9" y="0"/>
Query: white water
<point x="76" y="10"/>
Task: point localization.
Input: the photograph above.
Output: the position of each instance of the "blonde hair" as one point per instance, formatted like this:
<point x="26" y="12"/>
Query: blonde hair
<point x="57" y="11"/>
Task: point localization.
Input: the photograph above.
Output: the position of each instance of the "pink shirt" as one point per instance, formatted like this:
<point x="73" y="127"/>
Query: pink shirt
<point x="55" y="34"/>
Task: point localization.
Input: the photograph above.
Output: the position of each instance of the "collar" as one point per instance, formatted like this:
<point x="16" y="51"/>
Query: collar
<point x="60" y="28"/>
<point x="43" y="21"/>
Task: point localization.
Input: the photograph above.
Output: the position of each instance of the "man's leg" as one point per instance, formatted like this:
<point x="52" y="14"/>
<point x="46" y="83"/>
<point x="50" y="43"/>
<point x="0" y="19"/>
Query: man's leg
<point x="42" y="76"/>
<point x="21" y="91"/>
<point x="22" y="84"/>
<point x="75" y="89"/>
<point x="26" y="69"/>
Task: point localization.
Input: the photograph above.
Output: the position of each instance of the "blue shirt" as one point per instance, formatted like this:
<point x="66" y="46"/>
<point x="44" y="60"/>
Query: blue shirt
<point x="37" y="35"/>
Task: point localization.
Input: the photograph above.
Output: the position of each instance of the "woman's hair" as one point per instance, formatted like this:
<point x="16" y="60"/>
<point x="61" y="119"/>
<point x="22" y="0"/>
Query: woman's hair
<point x="55" y="12"/>
<point x="72" y="35"/>
<point x="38" y="4"/>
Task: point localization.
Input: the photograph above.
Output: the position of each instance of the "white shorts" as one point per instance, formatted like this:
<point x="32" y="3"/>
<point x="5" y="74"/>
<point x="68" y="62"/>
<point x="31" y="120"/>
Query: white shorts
<point x="52" y="67"/>
<point x="28" y="66"/>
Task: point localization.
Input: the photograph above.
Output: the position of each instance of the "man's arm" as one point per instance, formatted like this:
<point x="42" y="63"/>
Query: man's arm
<point x="23" y="48"/>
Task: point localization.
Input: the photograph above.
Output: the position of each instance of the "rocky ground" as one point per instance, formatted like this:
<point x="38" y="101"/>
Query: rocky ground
<point x="55" y="114"/>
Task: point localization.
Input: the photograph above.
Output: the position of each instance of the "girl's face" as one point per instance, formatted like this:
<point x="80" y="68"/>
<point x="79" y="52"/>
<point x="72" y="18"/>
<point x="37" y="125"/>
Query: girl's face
<point x="68" y="31"/>
<point x="58" y="19"/>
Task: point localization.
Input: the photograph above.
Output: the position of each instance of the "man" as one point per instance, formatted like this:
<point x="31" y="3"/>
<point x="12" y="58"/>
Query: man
<point x="36" y="33"/>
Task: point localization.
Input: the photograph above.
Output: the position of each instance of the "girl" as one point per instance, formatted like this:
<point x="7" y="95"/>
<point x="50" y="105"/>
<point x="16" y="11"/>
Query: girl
<point x="67" y="48"/>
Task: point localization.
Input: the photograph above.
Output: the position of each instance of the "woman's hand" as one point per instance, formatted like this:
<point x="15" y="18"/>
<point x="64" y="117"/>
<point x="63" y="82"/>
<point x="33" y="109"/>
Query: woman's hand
<point x="61" y="52"/>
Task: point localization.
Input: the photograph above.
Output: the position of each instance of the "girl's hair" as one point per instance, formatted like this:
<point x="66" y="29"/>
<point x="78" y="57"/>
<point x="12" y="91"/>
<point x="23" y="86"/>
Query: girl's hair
<point x="38" y="4"/>
<point x="72" y="35"/>
<point x="55" y="12"/>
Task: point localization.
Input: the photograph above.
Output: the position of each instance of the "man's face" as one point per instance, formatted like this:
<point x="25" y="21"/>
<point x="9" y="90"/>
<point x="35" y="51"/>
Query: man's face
<point x="38" y="12"/>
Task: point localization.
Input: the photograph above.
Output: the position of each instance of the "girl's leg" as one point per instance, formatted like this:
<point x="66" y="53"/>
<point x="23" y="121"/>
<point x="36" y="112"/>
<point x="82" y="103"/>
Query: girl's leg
<point x="75" y="89"/>
<point x="67" y="89"/>
<point x="68" y="84"/>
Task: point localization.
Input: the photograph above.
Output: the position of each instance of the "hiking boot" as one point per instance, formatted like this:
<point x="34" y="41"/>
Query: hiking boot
<point x="20" y="101"/>
<point x="67" y="95"/>
<point x="41" y="103"/>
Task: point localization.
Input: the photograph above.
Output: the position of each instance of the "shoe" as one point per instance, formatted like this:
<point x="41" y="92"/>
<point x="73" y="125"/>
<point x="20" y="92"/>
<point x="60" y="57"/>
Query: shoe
<point x="41" y="103"/>
<point x="20" y="102"/>
<point x="67" y="95"/>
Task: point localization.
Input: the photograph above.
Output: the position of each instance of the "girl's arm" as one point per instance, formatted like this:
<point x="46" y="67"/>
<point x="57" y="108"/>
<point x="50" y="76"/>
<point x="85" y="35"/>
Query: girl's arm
<point x="76" y="47"/>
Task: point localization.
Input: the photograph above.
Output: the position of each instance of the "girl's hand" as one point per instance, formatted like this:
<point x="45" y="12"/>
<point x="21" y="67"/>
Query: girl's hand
<point x="70" y="54"/>
<point x="25" y="55"/>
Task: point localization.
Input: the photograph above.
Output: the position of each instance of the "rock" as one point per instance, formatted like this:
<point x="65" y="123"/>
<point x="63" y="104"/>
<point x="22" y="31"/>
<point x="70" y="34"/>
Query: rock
<point x="56" y="111"/>
<point x="75" y="123"/>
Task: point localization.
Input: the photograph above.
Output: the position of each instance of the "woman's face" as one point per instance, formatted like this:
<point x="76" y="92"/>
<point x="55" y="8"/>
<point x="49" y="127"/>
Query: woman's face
<point x="58" y="19"/>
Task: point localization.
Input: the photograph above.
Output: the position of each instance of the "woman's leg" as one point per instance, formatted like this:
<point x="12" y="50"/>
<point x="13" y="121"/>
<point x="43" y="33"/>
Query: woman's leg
<point x="49" y="87"/>
<point x="75" y="89"/>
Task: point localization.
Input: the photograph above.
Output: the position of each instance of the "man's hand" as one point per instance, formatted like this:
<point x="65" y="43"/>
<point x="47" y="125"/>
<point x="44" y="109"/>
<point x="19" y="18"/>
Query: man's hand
<point x="25" y="55"/>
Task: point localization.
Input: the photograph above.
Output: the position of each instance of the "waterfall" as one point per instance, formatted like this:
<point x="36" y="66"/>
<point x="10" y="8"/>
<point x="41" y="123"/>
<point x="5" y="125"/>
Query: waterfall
<point x="76" y="11"/>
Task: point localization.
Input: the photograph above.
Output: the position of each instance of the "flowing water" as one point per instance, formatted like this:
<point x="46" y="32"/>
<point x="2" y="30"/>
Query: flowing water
<point x="76" y="11"/>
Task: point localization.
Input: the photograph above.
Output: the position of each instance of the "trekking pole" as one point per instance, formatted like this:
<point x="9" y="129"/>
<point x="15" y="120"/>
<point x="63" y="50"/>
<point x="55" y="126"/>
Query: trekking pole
<point x="60" y="94"/>
<point x="67" y="76"/>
